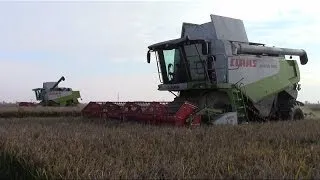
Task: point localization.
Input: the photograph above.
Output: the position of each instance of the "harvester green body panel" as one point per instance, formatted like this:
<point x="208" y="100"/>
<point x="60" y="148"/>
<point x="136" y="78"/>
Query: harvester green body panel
<point x="69" y="99"/>
<point x="287" y="76"/>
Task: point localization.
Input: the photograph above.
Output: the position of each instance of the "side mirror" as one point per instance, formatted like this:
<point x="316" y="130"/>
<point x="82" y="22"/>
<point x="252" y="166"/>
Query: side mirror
<point x="148" y="57"/>
<point x="205" y="49"/>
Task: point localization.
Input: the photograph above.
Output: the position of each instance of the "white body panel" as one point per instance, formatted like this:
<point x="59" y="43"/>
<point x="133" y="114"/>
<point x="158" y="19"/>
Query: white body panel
<point x="227" y="118"/>
<point x="251" y="68"/>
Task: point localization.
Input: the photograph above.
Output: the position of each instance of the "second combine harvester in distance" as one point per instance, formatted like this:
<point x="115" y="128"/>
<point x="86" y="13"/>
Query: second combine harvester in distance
<point x="218" y="76"/>
<point x="53" y="95"/>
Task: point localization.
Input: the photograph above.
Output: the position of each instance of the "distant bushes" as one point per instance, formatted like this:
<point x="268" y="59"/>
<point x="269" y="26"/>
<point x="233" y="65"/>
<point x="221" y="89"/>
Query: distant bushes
<point x="15" y="111"/>
<point x="315" y="107"/>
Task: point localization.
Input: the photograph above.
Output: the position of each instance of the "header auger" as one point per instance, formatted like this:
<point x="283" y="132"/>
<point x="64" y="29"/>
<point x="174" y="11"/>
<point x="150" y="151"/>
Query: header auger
<point x="218" y="77"/>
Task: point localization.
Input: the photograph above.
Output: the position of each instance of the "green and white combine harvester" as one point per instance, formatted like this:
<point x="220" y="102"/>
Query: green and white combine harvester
<point x="53" y="95"/>
<point x="218" y="76"/>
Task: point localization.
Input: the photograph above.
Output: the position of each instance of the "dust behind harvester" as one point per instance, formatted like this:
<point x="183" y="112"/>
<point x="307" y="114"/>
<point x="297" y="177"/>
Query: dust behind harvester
<point x="218" y="76"/>
<point x="53" y="95"/>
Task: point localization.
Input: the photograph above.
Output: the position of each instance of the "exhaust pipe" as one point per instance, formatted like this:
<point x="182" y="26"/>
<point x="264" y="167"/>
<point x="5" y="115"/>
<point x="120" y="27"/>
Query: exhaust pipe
<point x="245" y="48"/>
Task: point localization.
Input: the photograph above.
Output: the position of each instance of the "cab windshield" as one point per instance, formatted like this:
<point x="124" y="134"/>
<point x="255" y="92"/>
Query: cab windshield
<point x="182" y="64"/>
<point x="172" y="60"/>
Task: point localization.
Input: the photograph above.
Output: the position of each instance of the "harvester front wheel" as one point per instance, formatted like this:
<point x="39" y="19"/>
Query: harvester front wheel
<point x="70" y="103"/>
<point x="296" y="113"/>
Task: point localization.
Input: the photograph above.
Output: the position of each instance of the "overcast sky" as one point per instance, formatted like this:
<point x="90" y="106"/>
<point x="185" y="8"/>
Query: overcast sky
<point x="100" y="47"/>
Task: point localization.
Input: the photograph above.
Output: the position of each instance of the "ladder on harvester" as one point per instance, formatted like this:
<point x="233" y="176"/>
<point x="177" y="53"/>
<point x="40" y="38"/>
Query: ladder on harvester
<point x="240" y="105"/>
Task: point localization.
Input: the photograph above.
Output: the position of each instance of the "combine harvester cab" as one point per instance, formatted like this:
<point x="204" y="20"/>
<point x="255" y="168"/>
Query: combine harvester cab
<point x="218" y="77"/>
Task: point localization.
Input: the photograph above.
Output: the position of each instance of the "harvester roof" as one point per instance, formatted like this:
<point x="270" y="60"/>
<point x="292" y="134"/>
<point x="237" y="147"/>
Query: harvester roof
<point x="171" y="44"/>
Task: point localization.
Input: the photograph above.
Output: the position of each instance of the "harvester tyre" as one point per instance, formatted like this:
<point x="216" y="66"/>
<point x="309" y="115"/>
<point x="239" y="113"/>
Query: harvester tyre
<point x="296" y="113"/>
